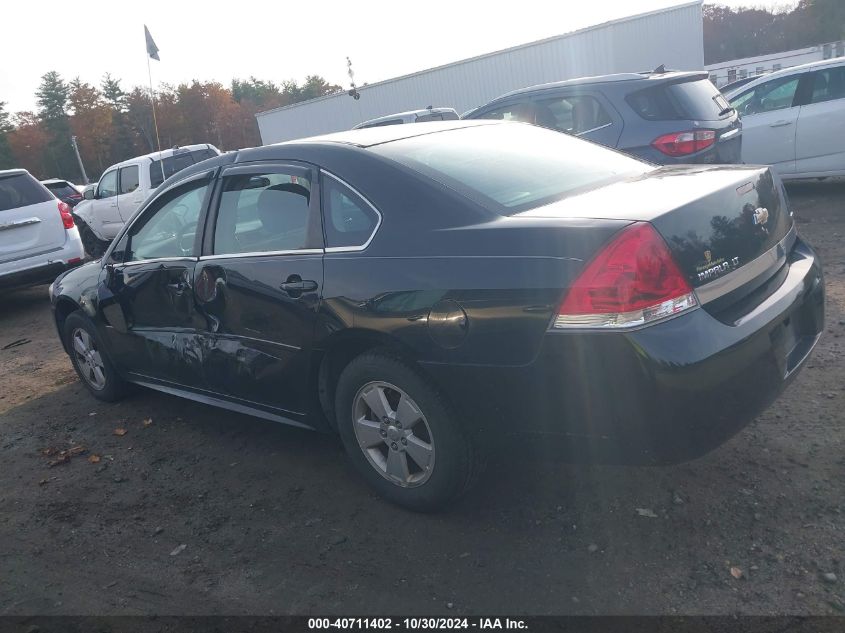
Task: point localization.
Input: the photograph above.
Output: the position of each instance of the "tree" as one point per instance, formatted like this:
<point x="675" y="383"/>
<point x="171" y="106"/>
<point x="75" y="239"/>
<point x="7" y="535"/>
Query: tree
<point x="123" y="137"/>
<point x="7" y="159"/>
<point x="52" y="98"/>
<point x="91" y="123"/>
<point x="29" y="143"/>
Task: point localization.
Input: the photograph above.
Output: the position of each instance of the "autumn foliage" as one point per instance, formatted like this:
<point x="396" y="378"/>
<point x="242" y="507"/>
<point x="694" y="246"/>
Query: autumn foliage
<point x="111" y="124"/>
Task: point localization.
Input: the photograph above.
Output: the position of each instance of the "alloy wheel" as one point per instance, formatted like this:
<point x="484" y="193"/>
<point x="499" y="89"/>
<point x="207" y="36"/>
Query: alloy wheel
<point x="393" y="434"/>
<point x="88" y="359"/>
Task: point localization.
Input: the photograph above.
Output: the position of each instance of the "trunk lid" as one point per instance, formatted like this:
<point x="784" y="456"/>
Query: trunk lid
<point x="30" y="222"/>
<point x="727" y="226"/>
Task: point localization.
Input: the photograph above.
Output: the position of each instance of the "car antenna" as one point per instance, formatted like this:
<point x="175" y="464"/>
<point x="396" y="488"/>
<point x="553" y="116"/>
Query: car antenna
<point x="659" y="70"/>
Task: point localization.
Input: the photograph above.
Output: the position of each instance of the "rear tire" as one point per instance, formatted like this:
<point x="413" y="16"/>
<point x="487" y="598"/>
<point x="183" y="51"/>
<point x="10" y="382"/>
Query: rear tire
<point x="401" y="435"/>
<point x="94" y="246"/>
<point x="90" y="360"/>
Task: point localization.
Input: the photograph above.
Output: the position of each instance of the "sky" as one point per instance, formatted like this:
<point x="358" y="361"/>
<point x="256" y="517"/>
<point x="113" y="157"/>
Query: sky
<point x="277" y="40"/>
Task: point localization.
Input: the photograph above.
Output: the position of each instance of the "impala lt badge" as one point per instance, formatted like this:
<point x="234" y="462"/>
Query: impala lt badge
<point x="717" y="268"/>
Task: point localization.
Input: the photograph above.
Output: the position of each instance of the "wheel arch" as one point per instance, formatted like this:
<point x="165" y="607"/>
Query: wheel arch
<point x="339" y="350"/>
<point x="65" y="306"/>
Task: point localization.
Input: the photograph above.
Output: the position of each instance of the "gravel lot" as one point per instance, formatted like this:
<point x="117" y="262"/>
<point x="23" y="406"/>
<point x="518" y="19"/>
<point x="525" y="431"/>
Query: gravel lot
<point x="201" y="511"/>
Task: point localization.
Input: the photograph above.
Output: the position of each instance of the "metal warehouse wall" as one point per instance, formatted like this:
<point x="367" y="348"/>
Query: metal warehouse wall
<point x="671" y="36"/>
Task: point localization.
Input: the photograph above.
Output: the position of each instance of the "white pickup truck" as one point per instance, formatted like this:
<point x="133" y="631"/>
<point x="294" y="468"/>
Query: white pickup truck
<point x="124" y="187"/>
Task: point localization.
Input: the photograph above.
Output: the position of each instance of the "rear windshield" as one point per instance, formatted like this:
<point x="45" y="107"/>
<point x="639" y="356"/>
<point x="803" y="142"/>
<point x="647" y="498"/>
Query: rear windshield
<point x="695" y="100"/>
<point x="61" y="189"/>
<point x="511" y="167"/>
<point x="176" y="163"/>
<point x="21" y="190"/>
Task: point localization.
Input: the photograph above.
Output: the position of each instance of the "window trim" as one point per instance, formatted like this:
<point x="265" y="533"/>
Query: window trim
<point x="116" y="172"/>
<point x="209" y="174"/>
<point x="282" y="167"/>
<point x="120" y="179"/>
<point x="352" y="249"/>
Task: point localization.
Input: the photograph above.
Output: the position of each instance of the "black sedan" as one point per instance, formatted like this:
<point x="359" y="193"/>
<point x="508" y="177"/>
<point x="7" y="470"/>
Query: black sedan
<point x="426" y="290"/>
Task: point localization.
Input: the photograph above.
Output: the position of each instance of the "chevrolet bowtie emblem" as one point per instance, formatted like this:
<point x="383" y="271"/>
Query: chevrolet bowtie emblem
<point x="761" y="216"/>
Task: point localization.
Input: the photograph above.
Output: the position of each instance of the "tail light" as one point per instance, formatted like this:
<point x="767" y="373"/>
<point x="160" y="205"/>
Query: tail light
<point x="64" y="211"/>
<point x="684" y="143"/>
<point x="632" y="281"/>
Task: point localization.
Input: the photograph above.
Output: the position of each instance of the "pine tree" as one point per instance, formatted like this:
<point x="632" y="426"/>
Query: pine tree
<point x="52" y="98"/>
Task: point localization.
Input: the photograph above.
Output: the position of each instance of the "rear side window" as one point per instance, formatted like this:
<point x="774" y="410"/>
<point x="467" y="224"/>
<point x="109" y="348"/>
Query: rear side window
<point x="262" y="213"/>
<point x="129" y="179"/>
<point x="573" y="114"/>
<point x="828" y="84"/>
<point x="538" y="167"/>
<point x="349" y="220"/>
<point x="696" y="100"/>
<point x="21" y="190"/>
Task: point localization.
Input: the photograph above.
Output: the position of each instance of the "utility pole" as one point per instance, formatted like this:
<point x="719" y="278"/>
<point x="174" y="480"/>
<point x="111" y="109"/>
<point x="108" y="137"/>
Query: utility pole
<point x="79" y="160"/>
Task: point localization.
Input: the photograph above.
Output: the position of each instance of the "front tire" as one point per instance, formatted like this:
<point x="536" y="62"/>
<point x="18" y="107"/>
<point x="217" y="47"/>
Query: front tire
<point x="90" y="360"/>
<point x="401" y="435"/>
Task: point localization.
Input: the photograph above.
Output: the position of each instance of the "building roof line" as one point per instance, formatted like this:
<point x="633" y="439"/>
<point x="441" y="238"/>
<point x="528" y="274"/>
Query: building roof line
<point x="362" y="89"/>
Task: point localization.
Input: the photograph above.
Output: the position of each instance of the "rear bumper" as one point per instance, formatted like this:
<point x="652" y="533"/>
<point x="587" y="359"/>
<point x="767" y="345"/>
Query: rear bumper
<point x="665" y="393"/>
<point x="43" y="268"/>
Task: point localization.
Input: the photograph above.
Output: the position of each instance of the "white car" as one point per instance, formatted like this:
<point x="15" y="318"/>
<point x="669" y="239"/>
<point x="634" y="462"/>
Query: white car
<point x="124" y="187"/>
<point x="38" y="238"/>
<point x="794" y="120"/>
<point x="414" y="116"/>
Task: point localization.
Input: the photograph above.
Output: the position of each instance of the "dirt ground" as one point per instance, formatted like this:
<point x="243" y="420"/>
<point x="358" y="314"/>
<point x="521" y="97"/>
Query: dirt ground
<point x="202" y="511"/>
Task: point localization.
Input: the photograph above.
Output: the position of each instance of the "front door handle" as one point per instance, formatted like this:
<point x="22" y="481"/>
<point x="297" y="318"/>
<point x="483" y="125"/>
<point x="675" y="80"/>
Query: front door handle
<point x="295" y="285"/>
<point x="780" y="123"/>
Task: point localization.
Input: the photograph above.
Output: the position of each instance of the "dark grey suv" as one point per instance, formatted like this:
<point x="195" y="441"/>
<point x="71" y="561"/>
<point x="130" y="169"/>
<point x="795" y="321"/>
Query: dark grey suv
<point x="663" y="117"/>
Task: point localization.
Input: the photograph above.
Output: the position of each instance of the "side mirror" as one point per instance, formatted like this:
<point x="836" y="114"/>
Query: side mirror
<point x="88" y="194"/>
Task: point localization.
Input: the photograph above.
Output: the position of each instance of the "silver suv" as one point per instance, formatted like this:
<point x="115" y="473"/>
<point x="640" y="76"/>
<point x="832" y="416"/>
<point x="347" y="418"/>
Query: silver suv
<point x="38" y="238"/>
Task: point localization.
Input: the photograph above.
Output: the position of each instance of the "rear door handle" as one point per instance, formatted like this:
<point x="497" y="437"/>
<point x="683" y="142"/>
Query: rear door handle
<point x="295" y="285"/>
<point x="780" y="123"/>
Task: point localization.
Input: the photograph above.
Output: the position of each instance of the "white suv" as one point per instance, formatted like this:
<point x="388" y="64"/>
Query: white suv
<point x="124" y="187"/>
<point x="38" y="239"/>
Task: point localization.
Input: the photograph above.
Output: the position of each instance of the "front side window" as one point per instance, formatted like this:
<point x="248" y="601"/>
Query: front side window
<point x="129" y="179"/>
<point x="348" y="219"/>
<point x="539" y="167"/>
<point x="108" y="185"/>
<point x="262" y="213"/>
<point x="828" y="84"/>
<point x="776" y="94"/>
<point x="168" y="227"/>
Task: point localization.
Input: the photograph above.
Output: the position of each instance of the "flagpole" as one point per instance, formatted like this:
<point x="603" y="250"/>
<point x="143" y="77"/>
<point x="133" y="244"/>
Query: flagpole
<point x="155" y="121"/>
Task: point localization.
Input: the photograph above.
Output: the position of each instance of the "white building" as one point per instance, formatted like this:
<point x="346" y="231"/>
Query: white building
<point x="672" y="36"/>
<point x="726" y="72"/>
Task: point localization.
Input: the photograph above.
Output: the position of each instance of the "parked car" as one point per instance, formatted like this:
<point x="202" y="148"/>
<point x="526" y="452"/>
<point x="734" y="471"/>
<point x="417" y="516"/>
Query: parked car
<point x="663" y="117"/>
<point x="414" y="116"/>
<point x="794" y="120"/>
<point x="427" y="290"/>
<point x="38" y="239"/>
<point x="124" y="187"/>
<point x="64" y="190"/>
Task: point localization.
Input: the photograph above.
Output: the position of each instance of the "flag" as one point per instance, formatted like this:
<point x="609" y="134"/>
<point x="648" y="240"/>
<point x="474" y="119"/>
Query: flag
<point x="152" y="49"/>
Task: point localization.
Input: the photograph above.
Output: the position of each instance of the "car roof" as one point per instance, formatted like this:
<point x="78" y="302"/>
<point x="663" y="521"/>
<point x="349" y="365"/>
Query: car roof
<point x="165" y="153"/>
<point x="51" y="181"/>
<point x="409" y="113"/>
<point x="785" y="72"/>
<point x="9" y="172"/>
<point x="607" y="79"/>
<point x="370" y="136"/>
